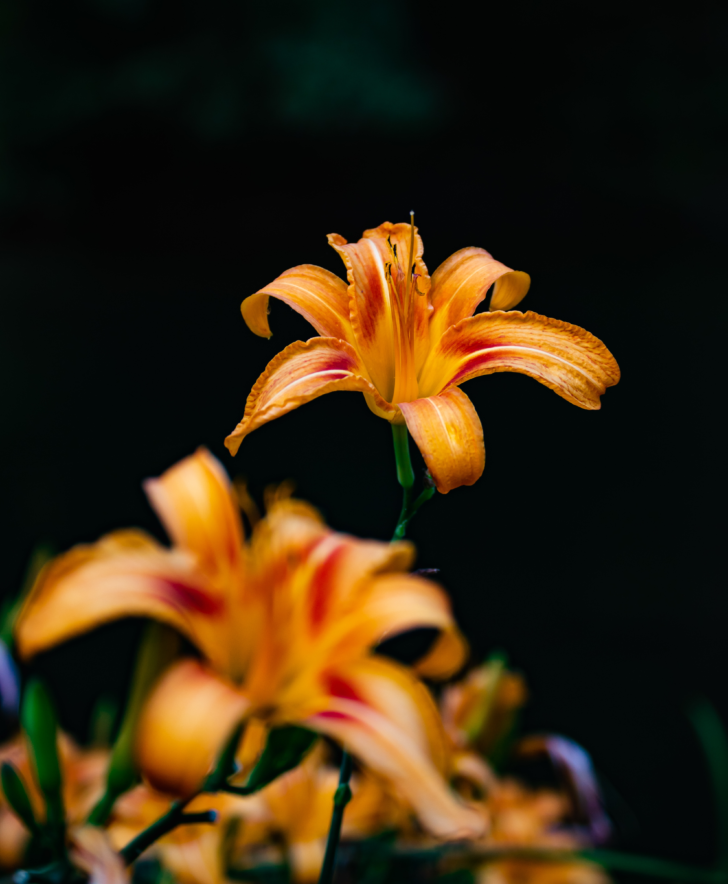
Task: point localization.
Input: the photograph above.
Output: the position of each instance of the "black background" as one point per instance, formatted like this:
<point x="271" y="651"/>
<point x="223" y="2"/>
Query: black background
<point x="160" y="160"/>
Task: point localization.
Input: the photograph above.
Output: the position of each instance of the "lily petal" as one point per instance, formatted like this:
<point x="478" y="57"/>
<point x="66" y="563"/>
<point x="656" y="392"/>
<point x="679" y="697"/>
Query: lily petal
<point x="185" y="723"/>
<point x="385" y="716"/>
<point x="91" y="851"/>
<point x="125" y="574"/>
<point x="565" y="358"/>
<point x="194" y="500"/>
<point x="462" y="281"/>
<point x="194" y="855"/>
<point x="397" y="603"/>
<point x="448" y="432"/>
<point x="336" y="574"/>
<point x="300" y="373"/>
<point x="317" y="294"/>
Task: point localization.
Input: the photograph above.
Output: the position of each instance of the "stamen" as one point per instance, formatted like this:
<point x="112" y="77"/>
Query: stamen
<point x="412" y="241"/>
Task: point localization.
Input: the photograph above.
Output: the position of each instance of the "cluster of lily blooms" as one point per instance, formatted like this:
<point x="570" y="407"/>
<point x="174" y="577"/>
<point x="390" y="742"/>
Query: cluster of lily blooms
<point x="286" y="623"/>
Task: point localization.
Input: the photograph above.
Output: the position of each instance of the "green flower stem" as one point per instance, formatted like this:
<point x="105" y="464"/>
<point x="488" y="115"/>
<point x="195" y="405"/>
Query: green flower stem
<point x="410" y="505"/>
<point x="174" y="817"/>
<point x="342" y="796"/>
<point x="406" y="478"/>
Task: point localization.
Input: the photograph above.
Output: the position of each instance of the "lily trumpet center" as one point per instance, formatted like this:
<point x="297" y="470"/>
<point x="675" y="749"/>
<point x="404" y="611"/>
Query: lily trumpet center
<point x="403" y="295"/>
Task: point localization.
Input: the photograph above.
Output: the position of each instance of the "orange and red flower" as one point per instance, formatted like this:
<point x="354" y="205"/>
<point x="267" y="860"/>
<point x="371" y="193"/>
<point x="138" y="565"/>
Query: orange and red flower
<point x="285" y="626"/>
<point x="408" y="341"/>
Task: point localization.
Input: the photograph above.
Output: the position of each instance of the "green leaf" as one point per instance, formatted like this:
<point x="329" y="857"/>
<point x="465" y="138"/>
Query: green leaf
<point x="40" y="725"/>
<point x="17" y="797"/>
<point x="285" y="749"/>
<point x="714" y="742"/>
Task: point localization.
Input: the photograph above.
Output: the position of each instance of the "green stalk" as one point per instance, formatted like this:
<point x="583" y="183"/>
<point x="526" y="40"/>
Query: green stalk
<point x="406" y="478"/>
<point x="342" y="796"/>
<point x="410" y="505"/>
<point x="174" y="817"/>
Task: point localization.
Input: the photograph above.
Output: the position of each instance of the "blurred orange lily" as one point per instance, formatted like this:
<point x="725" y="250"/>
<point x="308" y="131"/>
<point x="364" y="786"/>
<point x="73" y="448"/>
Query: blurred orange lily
<point x="533" y="818"/>
<point x="407" y="341"/>
<point x="285" y="626"/>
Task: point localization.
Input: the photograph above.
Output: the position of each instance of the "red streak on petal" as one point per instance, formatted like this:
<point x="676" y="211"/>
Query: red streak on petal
<point x="479" y="361"/>
<point x="191" y="598"/>
<point x="340" y="362"/>
<point x="322" y="585"/>
<point x="330" y="713"/>
<point x="339" y="687"/>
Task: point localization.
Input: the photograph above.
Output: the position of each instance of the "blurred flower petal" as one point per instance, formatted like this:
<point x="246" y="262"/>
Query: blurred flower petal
<point x="195" y="503"/>
<point x="381" y="713"/>
<point x="91" y="851"/>
<point x="126" y="574"/>
<point x="184" y="726"/>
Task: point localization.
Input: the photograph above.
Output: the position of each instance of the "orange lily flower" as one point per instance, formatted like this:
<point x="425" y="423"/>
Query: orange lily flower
<point x="285" y="626"/>
<point x="522" y="817"/>
<point x="407" y="341"/>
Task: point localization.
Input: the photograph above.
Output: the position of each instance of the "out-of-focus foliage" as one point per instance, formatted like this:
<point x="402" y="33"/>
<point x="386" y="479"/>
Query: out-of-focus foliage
<point x="213" y="72"/>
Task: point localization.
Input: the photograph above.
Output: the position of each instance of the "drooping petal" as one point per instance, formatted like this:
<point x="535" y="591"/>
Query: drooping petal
<point x="185" y="723"/>
<point x="462" y="281"/>
<point x="565" y="358"/>
<point x="300" y="373"/>
<point x="384" y="716"/>
<point x="448" y="432"/>
<point x="371" y="307"/>
<point x="195" y="502"/>
<point x="317" y="294"/>
<point x="125" y="574"/>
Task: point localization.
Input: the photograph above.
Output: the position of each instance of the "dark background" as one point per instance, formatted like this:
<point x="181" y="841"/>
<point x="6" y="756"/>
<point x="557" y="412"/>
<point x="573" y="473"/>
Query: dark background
<point x="161" y="159"/>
